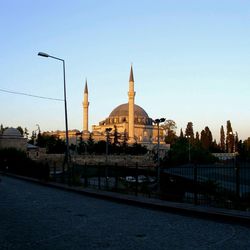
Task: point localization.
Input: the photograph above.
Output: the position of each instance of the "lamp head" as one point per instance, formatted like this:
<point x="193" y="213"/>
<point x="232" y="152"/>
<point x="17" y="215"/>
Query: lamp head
<point x="43" y="54"/>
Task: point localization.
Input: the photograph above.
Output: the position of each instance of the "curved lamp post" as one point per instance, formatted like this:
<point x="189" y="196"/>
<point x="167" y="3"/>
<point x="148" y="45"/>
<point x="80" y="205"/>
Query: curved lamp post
<point x="67" y="155"/>
<point x="157" y="122"/>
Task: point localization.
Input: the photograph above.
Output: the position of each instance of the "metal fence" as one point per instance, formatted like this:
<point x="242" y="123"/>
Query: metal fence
<point x="218" y="185"/>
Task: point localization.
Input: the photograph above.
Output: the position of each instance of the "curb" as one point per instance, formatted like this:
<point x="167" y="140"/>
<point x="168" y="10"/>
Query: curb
<point x="217" y="214"/>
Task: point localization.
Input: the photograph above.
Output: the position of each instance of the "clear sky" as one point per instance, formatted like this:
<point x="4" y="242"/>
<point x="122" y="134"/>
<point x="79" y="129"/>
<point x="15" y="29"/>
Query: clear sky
<point x="191" y="60"/>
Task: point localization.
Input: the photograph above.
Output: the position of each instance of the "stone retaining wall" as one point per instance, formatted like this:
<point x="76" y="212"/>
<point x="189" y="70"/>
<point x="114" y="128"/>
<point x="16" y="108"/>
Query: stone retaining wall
<point x="57" y="160"/>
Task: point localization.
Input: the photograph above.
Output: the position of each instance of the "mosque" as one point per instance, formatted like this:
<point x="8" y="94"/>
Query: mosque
<point x="128" y="119"/>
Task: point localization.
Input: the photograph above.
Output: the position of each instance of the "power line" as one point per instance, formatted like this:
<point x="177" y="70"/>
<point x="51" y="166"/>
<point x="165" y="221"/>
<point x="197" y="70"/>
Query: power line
<point x="30" y="95"/>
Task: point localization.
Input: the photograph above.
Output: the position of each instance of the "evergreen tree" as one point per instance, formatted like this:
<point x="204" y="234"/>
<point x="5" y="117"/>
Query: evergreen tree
<point x="41" y="140"/>
<point x="116" y="137"/>
<point x="82" y="147"/>
<point x="26" y="132"/>
<point x="33" y="138"/>
<point x="90" y="144"/>
<point x="197" y="137"/>
<point x="1" y="129"/>
<point x="244" y="150"/>
<point x="230" y="138"/>
<point x="53" y="144"/>
<point x="222" y="139"/>
<point x="190" y="131"/>
<point x="236" y="142"/>
<point x="181" y="134"/>
<point x="100" y="147"/>
<point x="206" y="138"/>
<point x="125" y="141"/>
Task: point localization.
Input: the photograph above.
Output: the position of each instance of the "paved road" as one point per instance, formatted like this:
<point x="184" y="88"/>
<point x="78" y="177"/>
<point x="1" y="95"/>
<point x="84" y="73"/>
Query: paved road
<point x="38" y="217"/>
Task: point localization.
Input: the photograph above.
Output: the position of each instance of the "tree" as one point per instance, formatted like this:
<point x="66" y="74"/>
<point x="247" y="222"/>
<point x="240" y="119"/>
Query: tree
<point x="206" y="138"/>
<point x="100" y="147"/>
<point x="178" y="154"/>
<point x="169" y="125"/>
<point x="190" y="131"/>
<point x="82" y="147"/>
<point x="33" y="138"/>
<point x="244" y="149"/>
<point x="236" y="142"/>
<point x="181" y="134"/>
<point x="170" y="129"/>
<point x="1" y="129"/>
<point x="55" y="145"/>
<point x="26" y="132"/>
<point x="116" y="137"/>
<point x="90" y="144"/>
<point x="197" y="137"/>
<point x="41" y="140"/>
<point x="20" y="129"/>
<point x="222" y="139"/>
<point x="125" y="141"/>
<point x="230" y="138"/>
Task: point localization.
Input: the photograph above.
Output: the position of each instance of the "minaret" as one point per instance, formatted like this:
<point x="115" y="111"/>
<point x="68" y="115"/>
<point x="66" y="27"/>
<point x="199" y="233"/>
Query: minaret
<point x="85" y="105"/>
<point x="131" y="102"/>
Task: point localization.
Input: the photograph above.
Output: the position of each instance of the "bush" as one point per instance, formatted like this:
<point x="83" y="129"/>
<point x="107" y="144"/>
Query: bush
<point x="16" y="162"/>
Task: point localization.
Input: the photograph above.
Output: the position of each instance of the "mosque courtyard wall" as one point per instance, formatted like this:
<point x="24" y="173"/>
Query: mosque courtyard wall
<point x="57" y="160"/>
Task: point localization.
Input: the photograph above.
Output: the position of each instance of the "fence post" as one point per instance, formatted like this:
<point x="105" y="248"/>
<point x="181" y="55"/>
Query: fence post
<point x="85" y="175"/>
<point x="106" y="177"/>
<point x="54" y="170"/>
<point x="136" y="178"/>
<point x="237" y="181"/>
<point x="116" y="176"/>
<point x="99" y="175"/>
<point x="195" y="185"/>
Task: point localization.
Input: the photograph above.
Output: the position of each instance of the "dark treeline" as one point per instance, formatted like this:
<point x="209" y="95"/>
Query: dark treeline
<point x="202" y="144"/>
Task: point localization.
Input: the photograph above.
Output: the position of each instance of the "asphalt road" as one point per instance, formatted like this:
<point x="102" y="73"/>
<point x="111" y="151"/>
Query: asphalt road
<point x="39" y="217"/>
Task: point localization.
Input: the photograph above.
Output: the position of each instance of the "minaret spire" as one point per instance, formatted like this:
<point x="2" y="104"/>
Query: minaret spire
<point x="131" y="77"/>
<point x="86" y="87"/>
<point x="85" y="105"/>
<point x="131" y="105"/>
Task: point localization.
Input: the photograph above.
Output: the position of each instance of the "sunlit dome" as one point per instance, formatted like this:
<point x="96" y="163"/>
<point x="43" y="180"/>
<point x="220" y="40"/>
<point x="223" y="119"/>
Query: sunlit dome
<point x="122" y="111"/>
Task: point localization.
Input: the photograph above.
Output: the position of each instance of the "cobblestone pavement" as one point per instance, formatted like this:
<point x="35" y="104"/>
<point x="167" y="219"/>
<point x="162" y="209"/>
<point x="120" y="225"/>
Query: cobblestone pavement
<point x="39" y="217"/>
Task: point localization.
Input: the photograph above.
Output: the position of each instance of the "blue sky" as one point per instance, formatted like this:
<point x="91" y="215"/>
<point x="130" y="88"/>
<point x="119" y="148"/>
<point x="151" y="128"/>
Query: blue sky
<point x="191" y="61"/>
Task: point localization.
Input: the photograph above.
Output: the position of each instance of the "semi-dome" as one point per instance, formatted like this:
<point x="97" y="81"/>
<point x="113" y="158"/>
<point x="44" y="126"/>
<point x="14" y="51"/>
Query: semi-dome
<point x="122" y="111"/>
<point x="12" y="132"/>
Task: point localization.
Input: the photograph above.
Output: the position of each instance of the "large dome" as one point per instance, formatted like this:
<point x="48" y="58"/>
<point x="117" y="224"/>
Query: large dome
<point x="122" y="111"/>
<point x="120" y="115"/>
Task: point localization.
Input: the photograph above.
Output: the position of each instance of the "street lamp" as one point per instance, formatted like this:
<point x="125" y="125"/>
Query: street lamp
<point x="107" y="143"/>
<point x="158" y="121"/>
<point x="67" y="155"/>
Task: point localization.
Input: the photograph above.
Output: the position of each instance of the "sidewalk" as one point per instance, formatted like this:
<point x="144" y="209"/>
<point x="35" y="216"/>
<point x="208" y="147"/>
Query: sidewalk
<point x="219" y="214"/>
